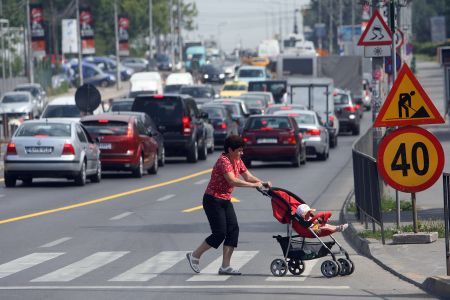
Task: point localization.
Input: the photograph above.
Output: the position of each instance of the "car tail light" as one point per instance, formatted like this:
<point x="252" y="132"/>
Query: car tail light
<point x="350" y="108"/>
<point x="186" y="124"/>
<point x="68" y="149"/>
<point x="11" y="149"/>
<point x="222" y="125"/>
<point x="290" y="139"/>
<point x="103" y="121"/>
<point x="313" y="132"/>
<point x="130" y="131"/>
<point x="246" y="139"/>
<point x="158" y="96"/>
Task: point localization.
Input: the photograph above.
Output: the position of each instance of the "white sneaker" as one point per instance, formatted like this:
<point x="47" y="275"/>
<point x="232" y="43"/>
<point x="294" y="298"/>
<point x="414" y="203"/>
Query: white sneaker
<point x="342" y="227"/>
<point x="193" y="262"/>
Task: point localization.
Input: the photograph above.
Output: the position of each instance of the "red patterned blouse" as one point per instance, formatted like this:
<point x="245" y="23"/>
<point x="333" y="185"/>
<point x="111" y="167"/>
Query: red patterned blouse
<point x="218" y="186"/>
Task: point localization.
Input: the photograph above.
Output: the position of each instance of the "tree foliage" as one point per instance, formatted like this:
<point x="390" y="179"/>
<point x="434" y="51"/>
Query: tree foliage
<point x="422" y="11"/>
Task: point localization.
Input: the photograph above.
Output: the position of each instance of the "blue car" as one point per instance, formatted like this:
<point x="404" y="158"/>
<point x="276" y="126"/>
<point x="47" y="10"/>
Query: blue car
<point x="93" y="75"/>
<point x="108" y="65"/>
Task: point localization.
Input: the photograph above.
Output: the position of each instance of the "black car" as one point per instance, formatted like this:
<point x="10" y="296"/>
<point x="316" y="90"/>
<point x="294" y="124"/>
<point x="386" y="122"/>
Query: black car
<point x="202" y="93"/>
<point x="347" y="112"/>
<point x="152" y="129"/>
<point x="173" y="88"/>
<point x="123" y="104"/>
<point x="180" y="121"/>
<point x="222" y="121"/>
<point x="213" y="74"/>
<point x="163" y="62"/>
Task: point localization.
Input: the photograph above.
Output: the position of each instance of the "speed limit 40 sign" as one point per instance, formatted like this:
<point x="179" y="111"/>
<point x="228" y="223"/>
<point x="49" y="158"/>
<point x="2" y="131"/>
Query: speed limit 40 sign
<point x="410" y="159"/>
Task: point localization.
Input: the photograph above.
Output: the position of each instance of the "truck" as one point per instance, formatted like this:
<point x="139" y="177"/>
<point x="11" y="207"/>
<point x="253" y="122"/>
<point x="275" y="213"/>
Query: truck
<point x="195" y="58"/>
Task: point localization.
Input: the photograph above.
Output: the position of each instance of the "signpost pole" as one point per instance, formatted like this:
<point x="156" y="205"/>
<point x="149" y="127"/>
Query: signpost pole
<point x="413" y="199"/>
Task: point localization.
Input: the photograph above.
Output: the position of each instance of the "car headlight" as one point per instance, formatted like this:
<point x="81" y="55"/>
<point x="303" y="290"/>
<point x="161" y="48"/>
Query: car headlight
<point x="128" y="71"/>
<point x="206" y="76"/>
<point x="112" y="77"/>
<point x="170" y="65"/>
<point x="221" y="76"/>
<point x="351" y="117"/>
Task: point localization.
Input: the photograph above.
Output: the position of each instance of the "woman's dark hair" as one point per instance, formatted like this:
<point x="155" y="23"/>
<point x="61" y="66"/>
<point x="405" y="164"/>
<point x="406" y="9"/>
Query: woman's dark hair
<point x="234" y="142"/>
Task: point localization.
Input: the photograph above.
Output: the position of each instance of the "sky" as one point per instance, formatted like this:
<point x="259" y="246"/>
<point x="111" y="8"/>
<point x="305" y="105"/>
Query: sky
<point x="243" y="22"/>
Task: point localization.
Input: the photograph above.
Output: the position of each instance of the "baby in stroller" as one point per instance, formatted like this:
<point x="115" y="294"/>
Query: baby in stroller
<point x="317" y="222"/>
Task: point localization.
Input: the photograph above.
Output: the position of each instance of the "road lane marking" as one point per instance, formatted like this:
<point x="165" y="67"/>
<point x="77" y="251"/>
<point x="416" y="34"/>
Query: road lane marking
<point x="57" y="242"/>
<point x="202" y="181"/>
<point x="103" y="199"/>
<point x="166" y="197"/>
<point x="195" y="208"/>
<point x="177" y="287"/>
<point x="240" y="258"/>
<point x="152" y="267"/>
<point x="308" y="268"/>
<point x="81" y="267"/>
<point x="25" y="262"/>
<point x="121" y="216"/>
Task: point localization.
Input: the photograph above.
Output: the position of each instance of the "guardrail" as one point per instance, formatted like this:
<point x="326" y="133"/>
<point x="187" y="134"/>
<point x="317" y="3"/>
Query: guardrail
<point x="446" y="184"/>
<point x="366" y="182"/>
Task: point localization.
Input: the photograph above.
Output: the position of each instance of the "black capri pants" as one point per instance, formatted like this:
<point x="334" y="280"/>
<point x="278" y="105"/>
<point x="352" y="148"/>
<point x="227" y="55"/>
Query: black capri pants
<point x="222" y="220"/>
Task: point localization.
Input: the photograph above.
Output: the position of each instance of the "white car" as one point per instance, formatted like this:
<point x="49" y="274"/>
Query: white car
<point x="150" y="82"/>
<point x="65" y="107"/>
<point x="180" y="78"/>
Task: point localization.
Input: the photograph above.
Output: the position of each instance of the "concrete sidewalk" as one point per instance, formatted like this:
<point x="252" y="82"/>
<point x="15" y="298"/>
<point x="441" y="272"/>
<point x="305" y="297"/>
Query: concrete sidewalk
<point x="423" y="265"/>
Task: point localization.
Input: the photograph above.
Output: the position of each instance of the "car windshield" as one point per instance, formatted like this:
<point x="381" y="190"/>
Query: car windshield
<point x="273" y="109"/>
<point x="303" y="118"/>
<point x="268" y="123"/>
<point x="213" y="112"/>
<point x="106" y="127"/>
<point x="32" y="90"/>
<point x="15" y="99"/>
<point x="196" y="92"/>
<point x="341" y="99"/>
<point x="44" y="129"/>
<point x="232" y="108"/>
<point x="121" y="106"/>
<point x="166" y="110"/>
<point x="172" y="88"/>
<point x="251" y="73"/>
<point x="234" y="87"/>
<point x="253" y="102"/>
<point x="61" y="111"/>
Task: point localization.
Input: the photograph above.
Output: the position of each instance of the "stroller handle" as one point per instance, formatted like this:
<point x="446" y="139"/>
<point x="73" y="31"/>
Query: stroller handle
<point x="264" y="191"/>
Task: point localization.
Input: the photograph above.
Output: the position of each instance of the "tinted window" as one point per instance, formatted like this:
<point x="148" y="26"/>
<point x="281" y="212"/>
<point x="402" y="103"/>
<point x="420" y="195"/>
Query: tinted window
<point x="251" y="73"/>
<point x="15" y="99"/>
<point x="268" y="123"/>
<point x="81" y="135"/>
<point x="214" y="112"/>
<point x="234" y="87"/>
<point x="253" y="102"/>
<point x="166" y="110"/>
<point x="121" y="106"/>
<point x="341" y="99"/>
<point x="108" y="128"/>
<point x="196" y="92"/>
<point x="32" y="90"/>
<point x="61" y="111"/>
<point x="232" y="108"/>
<point x="172" y="88"/>
<point x="44" y="129"/>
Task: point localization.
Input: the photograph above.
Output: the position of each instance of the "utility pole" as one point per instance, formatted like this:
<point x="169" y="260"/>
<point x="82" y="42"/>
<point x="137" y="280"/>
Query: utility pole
<point x="320" y="22"/>
<point x="353" y="52"/>
<point x="180" y="43"/>
<point x="150" y="28"/>
<point x="116" y="30"/>
<point x="30" y="49"/>
<point x="172" y="48"/>
<point x="80" y="48"/>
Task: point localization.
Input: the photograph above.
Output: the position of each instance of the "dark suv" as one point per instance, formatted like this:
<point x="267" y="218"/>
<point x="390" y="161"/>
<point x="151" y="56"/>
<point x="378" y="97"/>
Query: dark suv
<point x="179" y="120"/>
<point x="346" y="111"/>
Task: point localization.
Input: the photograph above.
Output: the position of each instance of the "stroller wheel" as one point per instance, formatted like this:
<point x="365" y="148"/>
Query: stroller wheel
<point x="278" y="267"/>
<point x="346" y="266"/>
<point x="296" y="266"/>
<point x="352" y="268"/>
<point x="329" y="268"/>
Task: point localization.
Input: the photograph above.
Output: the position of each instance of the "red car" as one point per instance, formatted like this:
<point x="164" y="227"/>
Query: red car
<point x="273" y="138"/>
<point x="124" y="142"/>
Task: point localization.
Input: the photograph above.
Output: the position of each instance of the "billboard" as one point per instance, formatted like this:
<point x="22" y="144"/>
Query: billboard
<point x="69" y="36"/>
<point x="37" y="30"/>
<point x="124" y="24"/>
<point x="87" y="30"/>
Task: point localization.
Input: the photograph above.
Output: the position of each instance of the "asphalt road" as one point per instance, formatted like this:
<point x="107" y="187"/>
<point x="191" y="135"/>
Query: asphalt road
<point x="126" y="238"/>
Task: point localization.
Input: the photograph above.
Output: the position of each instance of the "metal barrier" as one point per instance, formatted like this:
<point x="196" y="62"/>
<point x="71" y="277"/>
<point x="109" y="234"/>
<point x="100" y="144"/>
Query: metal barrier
<point x="446" y="184"/>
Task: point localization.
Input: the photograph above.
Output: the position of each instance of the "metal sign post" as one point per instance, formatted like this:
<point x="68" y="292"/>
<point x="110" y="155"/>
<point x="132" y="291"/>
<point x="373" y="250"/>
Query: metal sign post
<point x="446" y="184"/>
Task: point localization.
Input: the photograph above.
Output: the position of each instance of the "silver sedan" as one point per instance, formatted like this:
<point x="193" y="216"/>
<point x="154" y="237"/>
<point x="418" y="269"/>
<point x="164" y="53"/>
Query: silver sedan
<point x="315" y="134"/>
<point x="51" y="149"/>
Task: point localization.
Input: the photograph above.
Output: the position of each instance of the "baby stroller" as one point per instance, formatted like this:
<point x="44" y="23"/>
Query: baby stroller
<point x="295" y="247"/>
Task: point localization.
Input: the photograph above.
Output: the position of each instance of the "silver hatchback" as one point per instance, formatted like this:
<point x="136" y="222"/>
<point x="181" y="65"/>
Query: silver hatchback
<point x="51" y="149"/>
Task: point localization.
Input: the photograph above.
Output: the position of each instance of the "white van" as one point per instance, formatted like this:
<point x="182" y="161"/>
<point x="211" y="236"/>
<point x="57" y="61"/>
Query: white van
<point x="150" y="82"/>
<point x="180" y="78"/>
<point x="65" y="107"/>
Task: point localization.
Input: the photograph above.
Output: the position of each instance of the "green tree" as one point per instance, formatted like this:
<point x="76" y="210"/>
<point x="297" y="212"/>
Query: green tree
<point x="422" y="11"/>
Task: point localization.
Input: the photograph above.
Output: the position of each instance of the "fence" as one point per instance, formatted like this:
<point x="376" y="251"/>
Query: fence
<point x="446" y="184"/>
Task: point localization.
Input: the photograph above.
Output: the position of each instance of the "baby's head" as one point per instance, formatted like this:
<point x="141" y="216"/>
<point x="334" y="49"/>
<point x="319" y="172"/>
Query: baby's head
<point x="304" y="210"/>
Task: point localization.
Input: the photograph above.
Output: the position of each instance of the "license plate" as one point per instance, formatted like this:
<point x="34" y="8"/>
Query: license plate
<point x="39" y="150"/>
<point x="266" y="141"/>
<point x="104" y="146"/>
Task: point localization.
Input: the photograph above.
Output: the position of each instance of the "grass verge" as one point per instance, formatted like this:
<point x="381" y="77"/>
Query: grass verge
<point x="423" y="226"/>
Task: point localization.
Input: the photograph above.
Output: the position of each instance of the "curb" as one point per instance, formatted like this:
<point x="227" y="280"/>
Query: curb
<point x="436" y="285"/>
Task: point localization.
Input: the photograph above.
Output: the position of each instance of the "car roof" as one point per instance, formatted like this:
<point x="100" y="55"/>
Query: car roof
<point x="213" y="105"/>
<point x="268" y="116"/>
<point x="294" y="111"/>
<point x="64" y="100"/>
<point x="108" y="116"/>
<point x="17" y="93"/>
<point x="25" y="85"/>
<point x="123" y="100"/>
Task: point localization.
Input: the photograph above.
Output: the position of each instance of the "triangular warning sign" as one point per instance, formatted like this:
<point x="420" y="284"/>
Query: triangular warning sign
<point x="377" y="32"/>
<point x="407" y="104"/>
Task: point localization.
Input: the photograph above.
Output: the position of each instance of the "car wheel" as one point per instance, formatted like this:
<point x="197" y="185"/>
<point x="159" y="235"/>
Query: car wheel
<point x="80" y="179"/>
<point x="213" y="146"/>
<point x="322" y="156"/>
<point x="97" y="177"/>
<point x="27" y="181"/>
<point x="203" y="153"/>
<point x="10" y="181"/>
<point x="104" y="83"/>
<point x="138" y="170"/>
<point x="154" y="168"/>
<point x="192" y="155"/>
<point x="296" y="160"/>
<point x="333" y="141"/>
<point x="303" y="161"/>
<point x="162" y="157"/>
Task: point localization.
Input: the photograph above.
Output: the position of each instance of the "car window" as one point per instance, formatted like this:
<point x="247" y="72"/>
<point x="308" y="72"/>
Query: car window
<point x="196" y="92"/>
<point x="61" y="111"/>
<point x="140" y="127"/>
<point x="121" y="106"/>
<point x="34" y="91"/>
<point x="81" y="135"/>
<point x="106" y="128"/>
<point x="166" y="110"/>
<point x="234" y="87"/>
<point x="304" y="118"/>
<point x="44" y="129"/>
<point x="268" y="123"/>
<point x="253" y="102"/>
<point x="214" y="112"/>
<point x="251" y="73"/>
<point x="15" y="99"/>
<point x="341" y="99"/>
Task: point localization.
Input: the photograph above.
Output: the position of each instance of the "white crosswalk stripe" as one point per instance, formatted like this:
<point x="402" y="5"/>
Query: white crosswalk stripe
<point x="238" y="260"/>
<point x="309" y="265"/>
<point x="152" y="267"/>
<point x="81" y="267"/>
<point x="25" y="262"/>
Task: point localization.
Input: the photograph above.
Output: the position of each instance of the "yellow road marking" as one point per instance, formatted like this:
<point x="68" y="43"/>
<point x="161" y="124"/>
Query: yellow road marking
<point x="103" y="199"/>
<point x="201" y="206"/>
